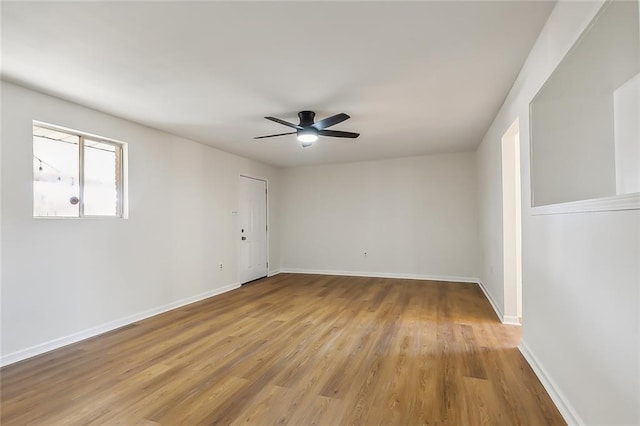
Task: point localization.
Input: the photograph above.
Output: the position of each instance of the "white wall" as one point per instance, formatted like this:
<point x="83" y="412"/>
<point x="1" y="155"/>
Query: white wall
<point x="412" y="216"/>
<point x="581" y="271"/>
<point x="64" y="277"/>
<point x="574" y="159"/>
<point x="626" y="119"/>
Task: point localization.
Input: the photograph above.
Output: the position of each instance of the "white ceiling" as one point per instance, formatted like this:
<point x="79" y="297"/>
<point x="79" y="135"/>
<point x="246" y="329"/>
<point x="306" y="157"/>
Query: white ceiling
<point x="416" y="77"/>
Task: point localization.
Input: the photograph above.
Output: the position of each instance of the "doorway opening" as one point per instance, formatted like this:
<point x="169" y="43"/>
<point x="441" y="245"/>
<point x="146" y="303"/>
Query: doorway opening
<point x="252" y="230"/>
<point x="512" y="224"/>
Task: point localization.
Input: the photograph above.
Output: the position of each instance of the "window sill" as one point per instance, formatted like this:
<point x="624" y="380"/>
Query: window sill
<point x="79" y="218"/>
<point x="617" y="202"/>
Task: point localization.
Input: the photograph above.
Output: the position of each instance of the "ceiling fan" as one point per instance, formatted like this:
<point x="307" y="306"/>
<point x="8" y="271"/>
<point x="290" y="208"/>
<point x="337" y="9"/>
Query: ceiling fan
<point x="308" y="131"/>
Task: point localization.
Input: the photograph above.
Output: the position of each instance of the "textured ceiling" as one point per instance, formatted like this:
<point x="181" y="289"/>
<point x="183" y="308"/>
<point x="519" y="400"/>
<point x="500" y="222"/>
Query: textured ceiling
<point x="416" y="77"/>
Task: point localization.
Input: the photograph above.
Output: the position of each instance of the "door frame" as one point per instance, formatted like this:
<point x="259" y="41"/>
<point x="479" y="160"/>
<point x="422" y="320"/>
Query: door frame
<point x="511" y="185"/>
<point x="266" y="199"/>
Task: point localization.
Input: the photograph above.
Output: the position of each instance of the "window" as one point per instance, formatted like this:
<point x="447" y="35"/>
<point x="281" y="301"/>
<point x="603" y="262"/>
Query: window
<point x="76" y="175"/>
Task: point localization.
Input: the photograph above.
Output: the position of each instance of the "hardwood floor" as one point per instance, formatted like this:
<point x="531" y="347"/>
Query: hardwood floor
<point x="297" y="350"/>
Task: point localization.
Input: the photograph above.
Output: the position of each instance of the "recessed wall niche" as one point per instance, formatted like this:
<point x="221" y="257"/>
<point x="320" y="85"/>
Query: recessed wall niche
<point x="585" y="120"/>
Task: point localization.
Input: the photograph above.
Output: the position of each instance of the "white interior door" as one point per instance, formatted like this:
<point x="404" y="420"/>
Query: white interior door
<point x="252" y="231"/>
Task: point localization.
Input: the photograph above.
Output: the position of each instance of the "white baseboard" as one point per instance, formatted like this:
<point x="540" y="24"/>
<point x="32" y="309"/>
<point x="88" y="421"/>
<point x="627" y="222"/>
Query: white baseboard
<point x="272" y="273"/>
<point x="566" y="409"/>
<point x="505" y="319"/>
<point x="510" y="320"/>
<point x="381" y="275"/>
<point x="492" y="301"/>
<point x="103" y="328"/>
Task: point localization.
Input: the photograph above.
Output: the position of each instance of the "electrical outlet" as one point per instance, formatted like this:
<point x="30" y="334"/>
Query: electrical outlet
<point x="220" y="265"/>
<point x="365" y="254"/>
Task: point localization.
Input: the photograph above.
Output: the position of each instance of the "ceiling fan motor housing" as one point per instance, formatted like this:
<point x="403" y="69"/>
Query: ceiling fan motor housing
<point x="306" y="118"/>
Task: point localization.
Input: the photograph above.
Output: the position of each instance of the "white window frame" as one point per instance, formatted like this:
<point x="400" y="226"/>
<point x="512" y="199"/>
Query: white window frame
<point x="121" y="171"/>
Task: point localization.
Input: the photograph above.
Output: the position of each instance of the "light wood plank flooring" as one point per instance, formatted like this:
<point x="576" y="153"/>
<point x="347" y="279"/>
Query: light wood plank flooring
<point x="296" y="350"/>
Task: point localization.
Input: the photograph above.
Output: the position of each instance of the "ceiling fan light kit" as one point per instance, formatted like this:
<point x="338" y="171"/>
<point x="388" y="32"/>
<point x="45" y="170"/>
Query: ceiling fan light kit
<point x="307" y="131"/>
<point x="308" y="135"/>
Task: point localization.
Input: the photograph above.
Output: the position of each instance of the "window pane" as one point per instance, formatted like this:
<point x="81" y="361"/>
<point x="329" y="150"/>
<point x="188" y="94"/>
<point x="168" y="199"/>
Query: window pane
<point x="55" y="173"/>
<point x="100" y="179"/>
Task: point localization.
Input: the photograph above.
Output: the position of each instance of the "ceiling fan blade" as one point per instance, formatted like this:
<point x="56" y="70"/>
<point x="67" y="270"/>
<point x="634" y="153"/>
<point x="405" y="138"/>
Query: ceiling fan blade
<point x="273" y="136"/>
<point x="286" y="123"/>
<point x="331" y="121"/>
<point x="338" y="134"/>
